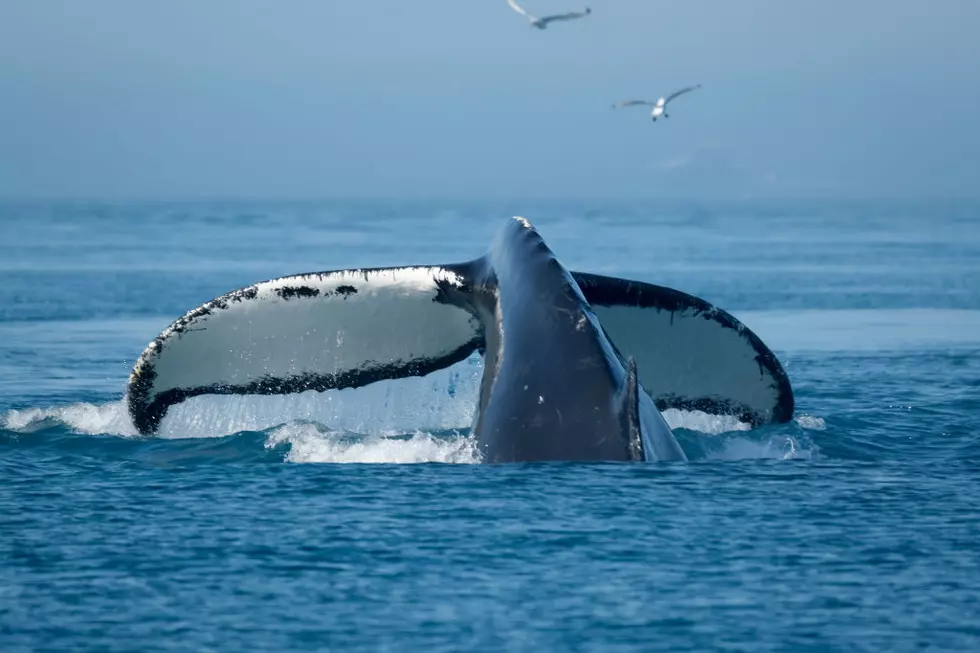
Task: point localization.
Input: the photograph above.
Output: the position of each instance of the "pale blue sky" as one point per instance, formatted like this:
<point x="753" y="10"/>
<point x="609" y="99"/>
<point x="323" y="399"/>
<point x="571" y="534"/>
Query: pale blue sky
<point x="460" y="98"/>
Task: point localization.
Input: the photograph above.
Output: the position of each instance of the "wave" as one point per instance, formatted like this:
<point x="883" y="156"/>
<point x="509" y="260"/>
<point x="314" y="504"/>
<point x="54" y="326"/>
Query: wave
<point x="404" y="433"/>
<point x="312" y="443"/>
<point x="810" y="422"/>
<point x="776" y="447"/>
<point x="81" y="418"/>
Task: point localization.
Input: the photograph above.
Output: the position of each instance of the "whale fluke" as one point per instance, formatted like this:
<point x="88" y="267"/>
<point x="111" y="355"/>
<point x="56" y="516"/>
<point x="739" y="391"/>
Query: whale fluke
<point x="623" y="349"/>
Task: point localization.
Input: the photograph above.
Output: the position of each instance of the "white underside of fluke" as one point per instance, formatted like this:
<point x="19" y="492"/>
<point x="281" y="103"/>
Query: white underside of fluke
<point x="313" y="324"/>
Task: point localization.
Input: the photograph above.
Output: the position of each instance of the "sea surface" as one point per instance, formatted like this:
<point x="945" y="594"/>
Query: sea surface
<point x="358" y="520"/>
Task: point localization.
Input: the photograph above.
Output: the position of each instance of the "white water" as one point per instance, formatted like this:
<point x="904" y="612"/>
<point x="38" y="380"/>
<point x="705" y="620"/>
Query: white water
<point x="360" y="427"/>
<point x="310" y="443"/>
<point x="782" y="447"/>
<point x="83" y="418"/>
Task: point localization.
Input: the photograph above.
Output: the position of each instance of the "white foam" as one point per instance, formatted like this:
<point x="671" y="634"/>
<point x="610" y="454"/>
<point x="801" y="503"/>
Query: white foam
<point x="695" y="420"/>
<point x="730" y="447"/>
<point x="775" y="448"/>
<point x="376" y="439"/>
<point x="310" y="443"/>
<point x="89" y="419"/>
<point x="810" y="422"/>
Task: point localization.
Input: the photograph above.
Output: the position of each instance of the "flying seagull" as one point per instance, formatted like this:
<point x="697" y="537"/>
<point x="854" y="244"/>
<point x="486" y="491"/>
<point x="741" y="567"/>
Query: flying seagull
<point x="542" y="22"/>
<point x="660" y="105"/>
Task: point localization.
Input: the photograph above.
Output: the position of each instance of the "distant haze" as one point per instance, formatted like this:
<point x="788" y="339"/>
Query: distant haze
<point x="460" y="98"/>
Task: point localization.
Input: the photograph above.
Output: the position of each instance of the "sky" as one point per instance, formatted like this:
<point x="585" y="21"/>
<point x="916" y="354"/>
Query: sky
<point x="133" y="99"/>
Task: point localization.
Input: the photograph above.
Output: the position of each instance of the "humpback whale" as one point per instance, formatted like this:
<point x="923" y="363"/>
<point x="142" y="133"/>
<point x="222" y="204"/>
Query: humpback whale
<point x="577" y="366"/>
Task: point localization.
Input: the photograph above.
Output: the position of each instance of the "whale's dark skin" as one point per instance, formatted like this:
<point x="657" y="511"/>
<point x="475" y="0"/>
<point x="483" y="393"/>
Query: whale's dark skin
<point x="554" y="387"/>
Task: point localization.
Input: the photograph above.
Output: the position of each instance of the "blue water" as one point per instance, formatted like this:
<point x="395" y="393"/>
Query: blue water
<point x="854" y="528"/>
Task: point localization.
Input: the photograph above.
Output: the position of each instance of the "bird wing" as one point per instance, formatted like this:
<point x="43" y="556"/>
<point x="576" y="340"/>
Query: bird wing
<point x="572" y="15"/>
<point x="516" y="7"/>
<point x="681" y="92"/>
<point x="630" y="103"/>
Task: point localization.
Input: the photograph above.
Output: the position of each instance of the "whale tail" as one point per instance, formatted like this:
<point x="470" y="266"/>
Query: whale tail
<point x="349" y="328"/>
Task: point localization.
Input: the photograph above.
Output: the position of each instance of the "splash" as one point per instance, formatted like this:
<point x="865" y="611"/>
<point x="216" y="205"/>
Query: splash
<point x="695" y="420"/>
<point x="311" y="443"/>
<point x="777" y="447"/>
<point x="725" y="438"/>
<point x="383" y="430"/>
<point x="445" y="399"/>
<point x="82" y="418"/>
<point x="810" y="422"/>
<point x="441" y="401"/>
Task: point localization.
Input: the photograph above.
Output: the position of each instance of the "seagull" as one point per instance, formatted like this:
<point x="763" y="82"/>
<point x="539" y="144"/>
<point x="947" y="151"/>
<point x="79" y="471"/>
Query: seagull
<point x="660" y="105"/>
<point x="542" y="23"/>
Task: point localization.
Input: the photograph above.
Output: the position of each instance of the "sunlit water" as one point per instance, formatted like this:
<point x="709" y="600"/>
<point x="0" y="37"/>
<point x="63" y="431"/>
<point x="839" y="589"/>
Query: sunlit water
<point x="245" y="525"/>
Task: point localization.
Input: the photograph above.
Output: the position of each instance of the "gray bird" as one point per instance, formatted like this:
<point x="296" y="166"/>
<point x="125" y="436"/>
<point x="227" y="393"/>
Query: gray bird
<point x="542" y="23"/>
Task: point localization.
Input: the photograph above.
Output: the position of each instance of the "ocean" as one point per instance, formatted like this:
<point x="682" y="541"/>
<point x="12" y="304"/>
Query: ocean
<point x="357" y="520"/>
